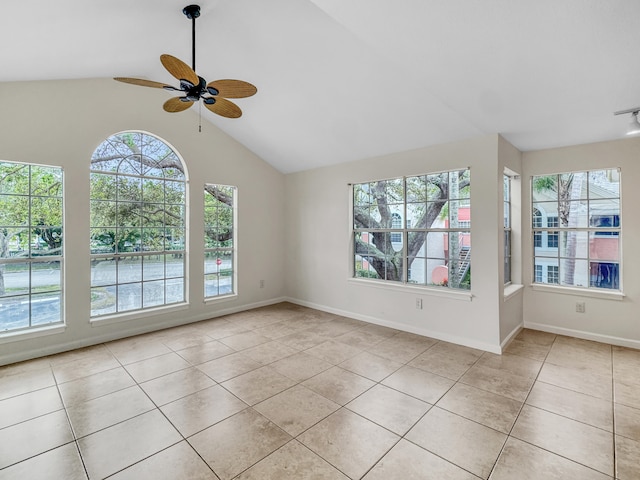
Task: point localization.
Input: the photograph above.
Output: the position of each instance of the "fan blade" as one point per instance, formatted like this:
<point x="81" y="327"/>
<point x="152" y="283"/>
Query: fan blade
<point x="179" y="69"/>
<point x="224" y="108"/>
<point x="176" y="104"/>
<point x="232" y="88"/>
<point x="144" y="83"/>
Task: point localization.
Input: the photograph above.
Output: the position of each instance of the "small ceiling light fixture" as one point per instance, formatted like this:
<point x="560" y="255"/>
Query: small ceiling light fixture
<point x="634" y="126"/>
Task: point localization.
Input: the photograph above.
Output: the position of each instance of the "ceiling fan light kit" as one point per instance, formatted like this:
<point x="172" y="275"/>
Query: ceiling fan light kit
<point x="633" y="127"/>
<point x="193" y="86"/>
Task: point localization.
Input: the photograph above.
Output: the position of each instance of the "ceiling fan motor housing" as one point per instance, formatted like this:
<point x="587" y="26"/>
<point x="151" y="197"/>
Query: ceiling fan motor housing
<point x="191" y="11"/>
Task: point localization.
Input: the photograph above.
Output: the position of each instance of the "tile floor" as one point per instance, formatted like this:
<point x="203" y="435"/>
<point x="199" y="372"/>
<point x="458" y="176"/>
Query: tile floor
<point x="285" y="392"/>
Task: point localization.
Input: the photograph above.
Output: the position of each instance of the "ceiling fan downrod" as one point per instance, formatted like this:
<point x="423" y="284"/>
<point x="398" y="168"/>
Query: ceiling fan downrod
<point x="192" y="12"/>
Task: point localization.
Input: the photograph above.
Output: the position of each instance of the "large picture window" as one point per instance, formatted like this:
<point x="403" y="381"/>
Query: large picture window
<point x="579" y="244"/>
<point x="138" y="198"/>
<point x="414" y="230"/>
<point x="31" y="238"/>
<point x="219" y="239"/>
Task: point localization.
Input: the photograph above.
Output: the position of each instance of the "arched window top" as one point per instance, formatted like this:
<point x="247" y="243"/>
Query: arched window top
<point x="138" y="154"/>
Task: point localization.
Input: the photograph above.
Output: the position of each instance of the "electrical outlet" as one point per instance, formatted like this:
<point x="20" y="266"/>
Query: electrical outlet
<point x="261" y="283"/>
<point x="580" y="307"/>
<point x="419" y="303"/>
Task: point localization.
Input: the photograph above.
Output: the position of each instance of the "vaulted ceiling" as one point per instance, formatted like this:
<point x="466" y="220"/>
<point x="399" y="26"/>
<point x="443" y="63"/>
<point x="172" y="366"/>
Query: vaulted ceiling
<point x="342" y="80"/>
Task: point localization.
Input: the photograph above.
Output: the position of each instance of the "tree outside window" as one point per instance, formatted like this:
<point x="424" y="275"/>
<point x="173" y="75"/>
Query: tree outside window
<point x="219" y="239"/>
<point x="582" y="229"/>
<point x="433" y="246"/>
<point x="31" y="241"/>
<point x="138" y="225"/>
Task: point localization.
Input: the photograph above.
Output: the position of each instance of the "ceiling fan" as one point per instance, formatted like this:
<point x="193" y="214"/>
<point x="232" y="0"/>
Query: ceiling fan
<point x="214" y="94"/>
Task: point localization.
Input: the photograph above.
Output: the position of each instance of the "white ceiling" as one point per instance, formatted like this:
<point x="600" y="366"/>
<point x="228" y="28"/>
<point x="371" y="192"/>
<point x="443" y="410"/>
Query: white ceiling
<point x="342" y="80"/>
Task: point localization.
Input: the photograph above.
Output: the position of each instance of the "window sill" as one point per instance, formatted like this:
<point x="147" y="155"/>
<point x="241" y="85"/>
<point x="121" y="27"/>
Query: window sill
<point x="221" y="298"/>
<point x="581" y="292"/>
<point x="131" y="316"/>
<point x="511" y="290"/>
<point x="8" y="337"/>
<point x="463" y="295"/>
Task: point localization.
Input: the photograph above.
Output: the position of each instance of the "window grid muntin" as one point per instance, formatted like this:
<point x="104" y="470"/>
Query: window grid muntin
<point x="32" y="257"/>
<point x="168" y="231"/>
<point x="463" y="200"/>
<point x="554" y="231"/>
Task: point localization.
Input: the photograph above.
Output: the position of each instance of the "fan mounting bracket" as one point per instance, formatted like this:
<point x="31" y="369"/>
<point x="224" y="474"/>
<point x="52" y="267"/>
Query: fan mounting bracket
<point x="191" y="11"/>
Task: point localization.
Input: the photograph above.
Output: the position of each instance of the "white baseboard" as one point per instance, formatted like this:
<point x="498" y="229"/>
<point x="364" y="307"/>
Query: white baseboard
<point x="128" y="332"/>
<point x="505" y="343"/>
<point x="596" y="337"/>
<point x="467" y="342"/>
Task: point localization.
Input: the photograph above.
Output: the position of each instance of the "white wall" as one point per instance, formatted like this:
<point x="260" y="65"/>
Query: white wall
<point x="318" y="245"/>
<point x="62" y="122"/>
<point x="605" y="319"/>
<point x="511" y="320"/>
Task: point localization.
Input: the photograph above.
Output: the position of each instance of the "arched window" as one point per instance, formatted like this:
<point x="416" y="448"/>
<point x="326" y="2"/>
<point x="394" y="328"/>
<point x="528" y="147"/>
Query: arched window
<point x="138" y="197"/>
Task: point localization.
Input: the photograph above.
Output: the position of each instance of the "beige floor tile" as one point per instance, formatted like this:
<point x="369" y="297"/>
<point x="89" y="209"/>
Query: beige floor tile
<point x="187" y="340"/>
<point x="333" y="352"/>
<point x="176" y="385"/>
<point x="235" y="444"/>
<point x="626" y="364"/>
<point x="279" y="330"/>
<point x="202" y="353"/>
<point x="389" y="408"/>
<point x="242" y="341"/>
<point x="28" y="366"/>
<point x="462" y="442"/>
<point x="484" y="407"/>
<point x="296" y="409"/>
<point x="522" y="366"/>
<point x="500" y="382"/>
<point x="332" y="328"/>
<point x="300" y="366"/>
<point x="156" y="367"/>
<point x="303" y="339"/>
<point x="581" y="354"/>
<point x="338" y="385"/>
<point x="523" y="461"/>
<point x="33" y="437"/>
<point x="229" y="366"/>
<point x="219" y="328"/>
<point x="380" y="330"/>
<point x="203" y="409"/>
<point x="408" y="461"/>
<point x="525" y="349"/>
<point x="85" y="366"/>
<point x="179" y="462"/>
<point x="576" y="441"/>
<point x="577" y="406"/>
<point x="94" y="386"/>
<point x="447" y="360"/>
<point x="269" y="352"/>
<point x="25" y="382"/>
<point x="360" y="338"/>
<point x="115" y="448"/>
<point x="29" y="405"/>
<point x="418" y="383"/>
<point x="293" y="461"/>
<point x="135" y="349"/>
<point x="371" y="366"/>
<point x="60" y="463"/>
<point x="401" y="349"/>
<point x="627" y="421"/>
<point x="536" y="337"/>
<point x="627" y="455"/>
<point x="340" y="440"/>
<point x="626" y="393"/>
<point x="258" y="385"/>
<point x="105" y="411"/>
<point x="90" y="354"/>
<point x="577" y="380"/>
